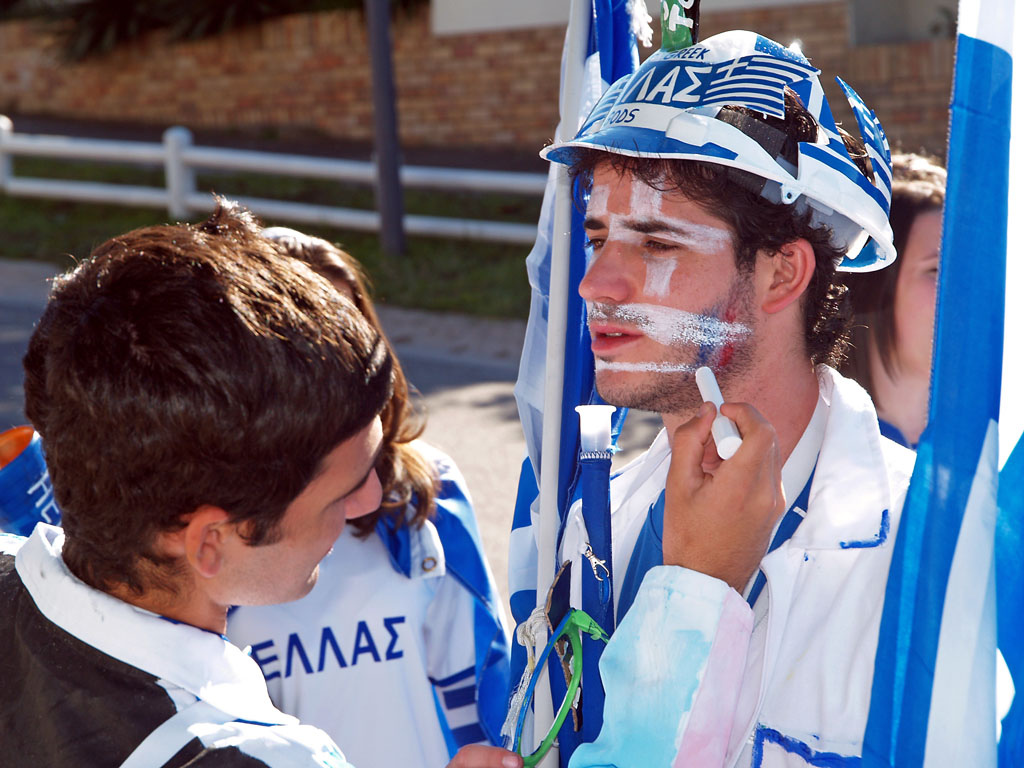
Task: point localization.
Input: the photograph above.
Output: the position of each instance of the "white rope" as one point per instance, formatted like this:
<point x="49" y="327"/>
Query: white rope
<point x="527" y="634"/>
<point x="640" y="22"/>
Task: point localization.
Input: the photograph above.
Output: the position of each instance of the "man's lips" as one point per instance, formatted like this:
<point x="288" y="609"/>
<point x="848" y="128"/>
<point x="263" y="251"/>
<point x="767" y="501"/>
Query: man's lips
<point x="606" y="338"/>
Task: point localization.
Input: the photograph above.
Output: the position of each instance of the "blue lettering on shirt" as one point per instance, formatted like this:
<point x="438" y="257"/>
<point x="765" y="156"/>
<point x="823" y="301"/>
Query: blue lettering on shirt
<point x="327" y="637"/>
<point x="254" y="652"/>
<point x="389" y="623"/>
<point x="366" y="646"/>
<point x="296" y="656"/>
<point x="295" y="646"/>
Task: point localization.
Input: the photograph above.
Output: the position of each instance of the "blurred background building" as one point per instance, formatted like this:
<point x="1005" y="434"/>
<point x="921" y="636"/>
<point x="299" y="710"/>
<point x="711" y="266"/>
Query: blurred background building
<point x="469" y="73"/>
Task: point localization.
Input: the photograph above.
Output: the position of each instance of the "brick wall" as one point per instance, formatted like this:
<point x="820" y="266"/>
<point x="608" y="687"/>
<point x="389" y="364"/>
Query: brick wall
<point x="494" y="90"/>
<point x="906" y="84"/>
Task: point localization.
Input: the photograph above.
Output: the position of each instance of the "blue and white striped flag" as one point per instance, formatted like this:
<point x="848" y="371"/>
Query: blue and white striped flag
<point x="1010" y="523"/>
<point x="600" y="48"/>
<point x="933" y="702"/>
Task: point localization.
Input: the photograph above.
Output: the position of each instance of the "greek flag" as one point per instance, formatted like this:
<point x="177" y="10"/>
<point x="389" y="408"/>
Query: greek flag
<point x="600" y="48"/>
<point x="934" y="700"/>
<point x="754" y="80"/>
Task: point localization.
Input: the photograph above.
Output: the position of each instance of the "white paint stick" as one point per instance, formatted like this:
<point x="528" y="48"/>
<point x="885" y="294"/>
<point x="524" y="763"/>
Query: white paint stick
<point x="723" y="429"/>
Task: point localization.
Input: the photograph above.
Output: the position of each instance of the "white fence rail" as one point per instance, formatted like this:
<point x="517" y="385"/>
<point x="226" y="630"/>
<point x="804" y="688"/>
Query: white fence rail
<point x="180" y="158"/>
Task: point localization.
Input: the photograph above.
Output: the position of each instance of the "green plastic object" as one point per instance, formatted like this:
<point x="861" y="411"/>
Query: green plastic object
<point x="577" y="623"/>
<point x="679" y="20"/>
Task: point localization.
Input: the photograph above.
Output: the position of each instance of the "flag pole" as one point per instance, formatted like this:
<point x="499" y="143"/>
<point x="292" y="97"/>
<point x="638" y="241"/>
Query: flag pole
<point x="576" y="37"/>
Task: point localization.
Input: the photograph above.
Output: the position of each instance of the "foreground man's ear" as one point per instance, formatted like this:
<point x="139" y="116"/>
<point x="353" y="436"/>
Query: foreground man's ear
<point x="791" y="270"/>
<point x="201" y="541"/>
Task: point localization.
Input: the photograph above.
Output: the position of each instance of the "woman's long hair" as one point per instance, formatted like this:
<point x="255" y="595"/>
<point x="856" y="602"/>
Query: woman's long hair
<point x="404" y="474"/>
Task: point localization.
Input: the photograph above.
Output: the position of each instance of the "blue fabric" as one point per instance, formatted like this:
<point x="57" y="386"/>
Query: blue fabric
<point x="596" y="588"/>
<point x="464" y="560"/>
<point x="26" y="496"/>
<point x="965" y="398"/>
<point x="647" y="554"/>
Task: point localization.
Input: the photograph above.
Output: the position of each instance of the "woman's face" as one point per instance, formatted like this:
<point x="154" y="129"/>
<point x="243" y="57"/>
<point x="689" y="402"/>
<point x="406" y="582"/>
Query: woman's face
<point x="914" y="304"/>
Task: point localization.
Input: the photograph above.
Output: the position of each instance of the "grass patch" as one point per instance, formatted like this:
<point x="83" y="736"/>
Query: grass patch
<point x="478" y="278"/>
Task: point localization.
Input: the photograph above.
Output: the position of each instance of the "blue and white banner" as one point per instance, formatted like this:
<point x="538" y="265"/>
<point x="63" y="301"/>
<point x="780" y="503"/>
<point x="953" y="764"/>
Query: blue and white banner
<point x="609" y="54"/>
<point x="934" y="701"/>
<point x="1010" y="523"/>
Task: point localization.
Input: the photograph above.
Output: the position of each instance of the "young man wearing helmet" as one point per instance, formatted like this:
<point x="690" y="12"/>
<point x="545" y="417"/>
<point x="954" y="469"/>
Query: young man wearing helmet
<point x="721" y="199"/>
<point x="718" y="217"/>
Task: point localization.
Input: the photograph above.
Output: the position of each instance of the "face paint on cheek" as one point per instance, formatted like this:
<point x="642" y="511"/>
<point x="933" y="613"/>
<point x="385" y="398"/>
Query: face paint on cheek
<point x="658" y="277"/>
<point x="670" y="326"/>
<point x="718" y="357"/>
<point x="604" y="365"/>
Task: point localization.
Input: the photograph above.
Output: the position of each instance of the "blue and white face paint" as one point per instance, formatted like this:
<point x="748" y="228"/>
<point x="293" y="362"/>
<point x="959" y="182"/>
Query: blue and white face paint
<point x="663" y="292"/>
<point x="671" y="327"/>
<point x="646" y="204"/>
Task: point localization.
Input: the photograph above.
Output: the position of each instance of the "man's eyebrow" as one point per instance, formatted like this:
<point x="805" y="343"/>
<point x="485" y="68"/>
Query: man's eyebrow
<point x="650" y="226"/>
<point x="645" y="226"/>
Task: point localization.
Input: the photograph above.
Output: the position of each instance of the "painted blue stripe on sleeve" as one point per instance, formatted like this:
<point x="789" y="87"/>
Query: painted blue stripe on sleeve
<point x="468" y="734"/>
<point x="798" y="748"/>
<point x="445" y="682"/>
<point x="460" y="697"/>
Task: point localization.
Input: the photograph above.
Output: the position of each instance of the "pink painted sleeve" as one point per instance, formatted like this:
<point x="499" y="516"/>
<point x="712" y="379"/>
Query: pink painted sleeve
<point x="705" y="741"/>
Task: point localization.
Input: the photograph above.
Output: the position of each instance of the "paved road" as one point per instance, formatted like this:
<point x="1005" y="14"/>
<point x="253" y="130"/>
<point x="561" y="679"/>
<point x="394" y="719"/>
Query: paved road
<point x="464" y="367"/>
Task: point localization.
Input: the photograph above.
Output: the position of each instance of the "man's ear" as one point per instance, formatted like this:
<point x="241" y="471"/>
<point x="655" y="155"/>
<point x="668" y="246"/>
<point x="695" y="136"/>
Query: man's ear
<point x="792" y="268"/>
<point x="201" y="541"/>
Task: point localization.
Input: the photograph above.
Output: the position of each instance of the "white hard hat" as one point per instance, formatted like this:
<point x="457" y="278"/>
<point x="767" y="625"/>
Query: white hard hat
<point x="671" y="108"/>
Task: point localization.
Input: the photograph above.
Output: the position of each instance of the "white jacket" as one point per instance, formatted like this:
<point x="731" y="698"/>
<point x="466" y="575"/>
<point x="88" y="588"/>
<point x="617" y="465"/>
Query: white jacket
<point x="694" y="677"/>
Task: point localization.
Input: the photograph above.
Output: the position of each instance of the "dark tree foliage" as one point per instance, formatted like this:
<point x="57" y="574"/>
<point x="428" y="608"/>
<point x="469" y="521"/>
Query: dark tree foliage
<point x="96" y="27"/>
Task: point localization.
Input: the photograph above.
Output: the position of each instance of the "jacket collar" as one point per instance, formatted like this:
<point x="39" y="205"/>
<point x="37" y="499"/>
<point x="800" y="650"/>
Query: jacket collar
<point x="851" y="503"/>
<point x="202" y="663"/>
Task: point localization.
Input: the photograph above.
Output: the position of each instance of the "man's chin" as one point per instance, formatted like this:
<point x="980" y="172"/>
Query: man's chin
<point x="659" y="395"/>
<point x="307" y="587"/>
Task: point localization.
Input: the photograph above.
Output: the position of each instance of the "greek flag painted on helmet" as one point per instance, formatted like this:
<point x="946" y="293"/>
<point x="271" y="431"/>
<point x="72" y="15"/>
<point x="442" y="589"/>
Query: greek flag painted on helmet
<point x="672" y="108"/>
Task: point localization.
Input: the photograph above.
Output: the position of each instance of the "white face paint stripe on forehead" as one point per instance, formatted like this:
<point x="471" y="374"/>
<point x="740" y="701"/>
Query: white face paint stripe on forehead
<point x="644" y="200"/>
<point x="645" y="204"/>
<point x="598" y="203"/>
<point x="667" y="325"/>
<point x="604" y="365"/>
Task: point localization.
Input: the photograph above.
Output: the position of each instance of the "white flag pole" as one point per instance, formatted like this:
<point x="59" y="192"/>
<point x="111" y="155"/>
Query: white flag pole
<point x="573" y="58"/>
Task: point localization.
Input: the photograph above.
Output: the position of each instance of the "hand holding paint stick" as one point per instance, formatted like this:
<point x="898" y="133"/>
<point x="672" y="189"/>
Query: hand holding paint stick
<point x="723" y="429"/>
